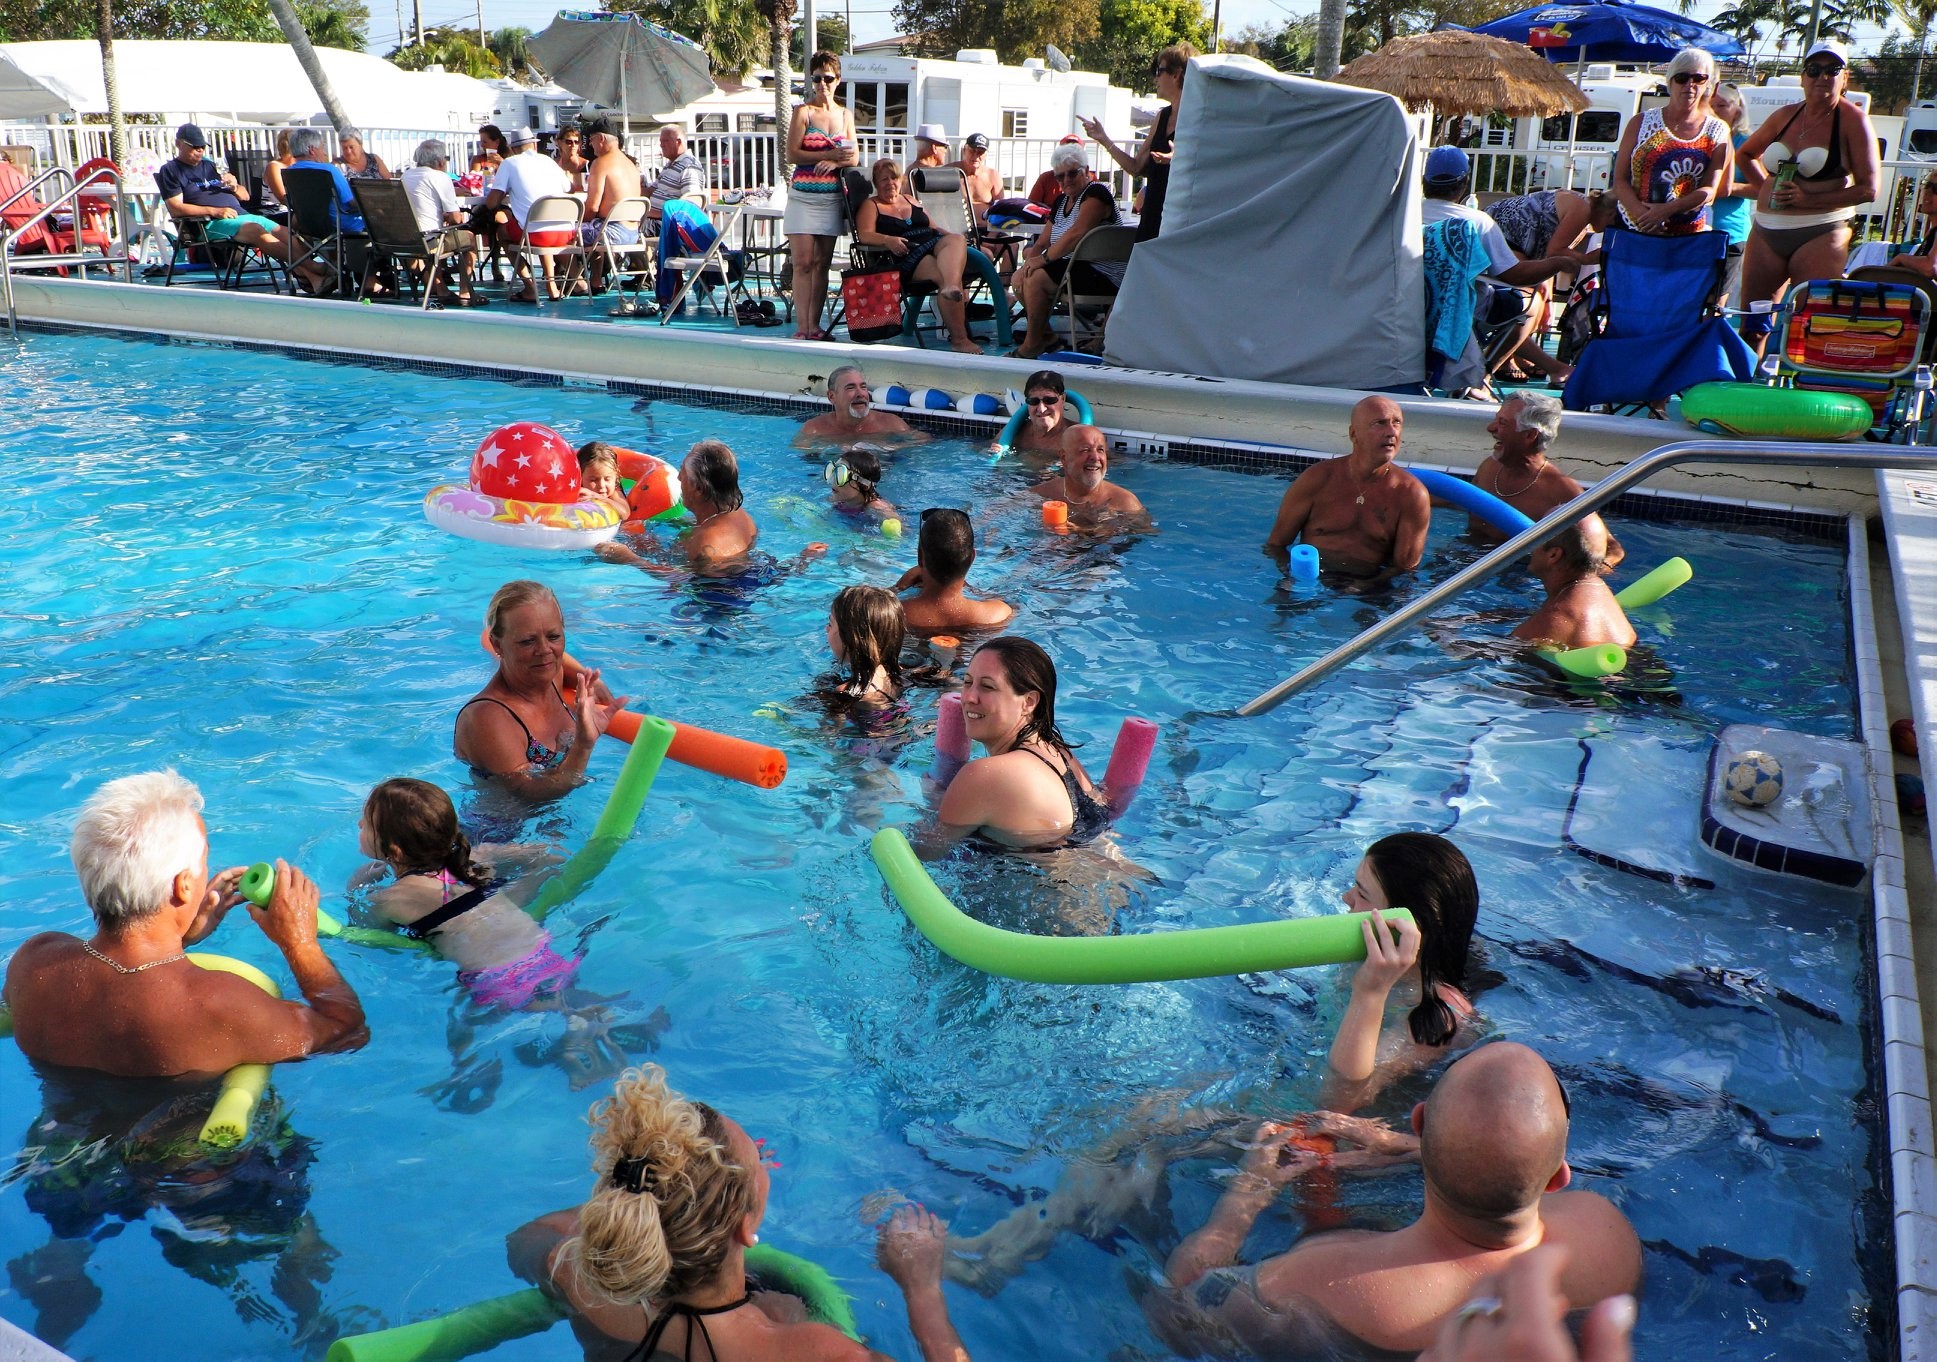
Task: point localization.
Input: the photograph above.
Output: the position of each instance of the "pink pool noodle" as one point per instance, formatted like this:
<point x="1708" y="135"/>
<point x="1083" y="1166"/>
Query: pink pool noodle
<point x="1136" y="740"/>
<point x="951" y="740"/>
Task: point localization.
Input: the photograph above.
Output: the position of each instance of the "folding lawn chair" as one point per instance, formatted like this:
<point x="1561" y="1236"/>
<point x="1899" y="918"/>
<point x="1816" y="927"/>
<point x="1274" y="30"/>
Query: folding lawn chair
<point x="632" y="260"/>
<point x="943" y="191"/>
<point x="712" y="266"/>
<point x="316" y="216"/>
<point x="1089" y="312"/>
<point x="1862" y="336"/>
<point x="550" y="233"/>
<point x="1455" y="258"/>
<point x="397" y="236"/>
<point x="1659" y="329"/>
<point x="193" y="257"/>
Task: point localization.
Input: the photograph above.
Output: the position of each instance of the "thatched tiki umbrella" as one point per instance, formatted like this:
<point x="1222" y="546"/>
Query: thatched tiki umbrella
<point x="1465" y="73"/>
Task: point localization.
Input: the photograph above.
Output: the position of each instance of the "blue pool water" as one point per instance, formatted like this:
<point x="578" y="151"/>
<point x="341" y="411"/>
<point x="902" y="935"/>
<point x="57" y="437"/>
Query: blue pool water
<point x="216" y="560"/>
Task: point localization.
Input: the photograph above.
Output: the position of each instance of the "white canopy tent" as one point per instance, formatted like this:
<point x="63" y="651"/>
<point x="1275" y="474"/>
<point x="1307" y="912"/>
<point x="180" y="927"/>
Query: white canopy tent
<point x="238" y="82"/>
<point x="1290" y="250"/>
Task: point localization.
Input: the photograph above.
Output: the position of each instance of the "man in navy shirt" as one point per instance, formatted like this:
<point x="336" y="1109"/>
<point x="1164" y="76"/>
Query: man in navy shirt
<point x="194" y="187"/>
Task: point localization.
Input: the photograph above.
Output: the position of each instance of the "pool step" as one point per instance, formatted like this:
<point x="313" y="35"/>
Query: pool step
<point x="1820" y="826"/>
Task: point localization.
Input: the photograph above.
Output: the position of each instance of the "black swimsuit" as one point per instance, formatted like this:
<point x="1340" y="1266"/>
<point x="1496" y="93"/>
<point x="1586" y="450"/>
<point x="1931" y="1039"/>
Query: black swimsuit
<point x="1089" y="817"/>
<point x="695" y="1313"/>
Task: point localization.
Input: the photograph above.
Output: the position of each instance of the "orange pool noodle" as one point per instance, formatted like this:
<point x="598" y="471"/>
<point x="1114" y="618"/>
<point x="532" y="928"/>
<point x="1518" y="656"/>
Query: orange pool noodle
<point x="1055" y="514"/>
<point x="735" y="758"/>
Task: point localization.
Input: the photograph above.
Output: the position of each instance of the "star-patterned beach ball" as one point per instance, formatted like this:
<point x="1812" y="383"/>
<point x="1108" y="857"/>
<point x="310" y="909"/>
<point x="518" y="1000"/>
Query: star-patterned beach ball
<point x="525" y="461"/>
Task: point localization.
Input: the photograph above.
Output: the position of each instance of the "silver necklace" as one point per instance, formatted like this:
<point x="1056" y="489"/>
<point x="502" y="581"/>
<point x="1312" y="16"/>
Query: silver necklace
<point x="120" y="968"/>
<point x="1501" y="493"/>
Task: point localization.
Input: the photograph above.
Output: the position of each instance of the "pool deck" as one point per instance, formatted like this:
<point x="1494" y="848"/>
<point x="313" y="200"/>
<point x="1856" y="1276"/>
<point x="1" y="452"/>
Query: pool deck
<point x="1155" y="416"/>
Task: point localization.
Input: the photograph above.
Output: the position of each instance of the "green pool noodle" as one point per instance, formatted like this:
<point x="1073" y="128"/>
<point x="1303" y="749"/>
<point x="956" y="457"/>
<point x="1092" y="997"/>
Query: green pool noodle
<point x="471" y="1329"/>
<point x="474" y="1328"/>
<point x="615" y="824"/>
<point x="1590" y="663"/>
<point x="259" y="882"/>
<point x="1198" y="953"/>
<point x="242" y="1087"/>
<point x="1651" y="588"/>
<point x="815" y="1285"/>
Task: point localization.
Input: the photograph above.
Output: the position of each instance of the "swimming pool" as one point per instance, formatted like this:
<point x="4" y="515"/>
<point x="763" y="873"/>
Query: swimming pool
<point x="231" y="574"/>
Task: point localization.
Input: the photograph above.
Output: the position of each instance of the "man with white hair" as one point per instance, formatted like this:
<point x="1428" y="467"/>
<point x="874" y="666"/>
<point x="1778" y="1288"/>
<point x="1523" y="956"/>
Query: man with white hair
<point x="1518" y="471"/>
<point x="681" y="175"/>
<point x="128" y="1001"/>
<point x="433" y="201"/>
<point x="854" y="416"/>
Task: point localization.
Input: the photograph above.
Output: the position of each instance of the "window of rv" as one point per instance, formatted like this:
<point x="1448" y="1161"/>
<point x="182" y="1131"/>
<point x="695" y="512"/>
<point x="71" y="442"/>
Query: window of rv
<point x="709" y="122"/>
<point x="880" y="106"/>
<point x="1015" y="122"/>
<point x="1597" y="125"/>
<point x="1923" y="141"/>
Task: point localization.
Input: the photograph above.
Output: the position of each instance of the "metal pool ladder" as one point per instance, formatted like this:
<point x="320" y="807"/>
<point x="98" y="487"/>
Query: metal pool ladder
<point x="70" y="196"/>
<point x="1919" y="458"/>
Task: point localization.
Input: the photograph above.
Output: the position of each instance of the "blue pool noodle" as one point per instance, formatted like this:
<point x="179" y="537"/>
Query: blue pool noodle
<point x="1474" y="500"/>
<point x="1304" y="562"/>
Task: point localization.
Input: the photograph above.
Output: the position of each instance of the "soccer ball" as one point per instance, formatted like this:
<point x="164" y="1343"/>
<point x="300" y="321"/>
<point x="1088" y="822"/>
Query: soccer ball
<point x="1754" y="779"/>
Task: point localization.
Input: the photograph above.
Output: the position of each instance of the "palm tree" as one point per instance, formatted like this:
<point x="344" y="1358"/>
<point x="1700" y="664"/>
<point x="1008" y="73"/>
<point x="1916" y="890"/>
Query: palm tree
<point x="512" y="48"/>
<point x="294" y="34"/>
<point x="117" y="129"/>
<point x="1917" y="16"/>
<point x="779" y="15"/>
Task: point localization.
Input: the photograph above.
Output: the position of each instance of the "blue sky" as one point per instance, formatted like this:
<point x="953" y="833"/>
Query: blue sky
<point x="872" y="18"/>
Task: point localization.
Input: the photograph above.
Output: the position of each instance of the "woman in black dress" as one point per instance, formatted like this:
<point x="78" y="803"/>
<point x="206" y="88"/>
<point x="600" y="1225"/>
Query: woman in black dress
<point x="893" y="222"/>
<point x="1152" y="161"/>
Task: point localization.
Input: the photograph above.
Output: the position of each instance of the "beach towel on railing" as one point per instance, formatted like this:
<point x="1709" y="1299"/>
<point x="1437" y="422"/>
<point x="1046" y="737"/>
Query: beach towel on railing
<point x="1455" y="257"/>
<point x="684" y="230"/>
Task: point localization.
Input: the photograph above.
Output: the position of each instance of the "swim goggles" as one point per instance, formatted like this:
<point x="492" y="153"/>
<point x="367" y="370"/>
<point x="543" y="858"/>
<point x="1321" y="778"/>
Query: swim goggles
<point x="838" y="474"/>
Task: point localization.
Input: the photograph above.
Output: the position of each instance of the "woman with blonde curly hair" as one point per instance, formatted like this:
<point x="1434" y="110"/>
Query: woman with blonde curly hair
<point x="653" y="1265"/>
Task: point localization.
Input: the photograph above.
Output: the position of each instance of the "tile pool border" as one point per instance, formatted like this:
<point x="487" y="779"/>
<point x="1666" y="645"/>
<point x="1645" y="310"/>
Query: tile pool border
<point x="1907" y="1106"/>
<point x="1236" y="455"/>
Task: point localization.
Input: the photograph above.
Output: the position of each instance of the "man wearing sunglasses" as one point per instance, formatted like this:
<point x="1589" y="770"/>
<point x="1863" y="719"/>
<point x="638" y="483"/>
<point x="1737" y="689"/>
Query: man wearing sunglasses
<point x="1492" y="1142"/>
<point x="854" y="417"/>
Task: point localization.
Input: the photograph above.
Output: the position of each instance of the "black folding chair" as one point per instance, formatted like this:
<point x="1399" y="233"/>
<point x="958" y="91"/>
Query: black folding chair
<point x="229" y="263"/>
<point x="316" y="216"/>
<point x="397" y="237"/>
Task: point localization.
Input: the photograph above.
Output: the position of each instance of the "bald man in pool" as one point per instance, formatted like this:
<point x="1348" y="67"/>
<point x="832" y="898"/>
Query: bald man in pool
<point x="1083" y="485"/>
<point x="1364" y="514"/>
<point x="1492" y="1141"/>
<point x="128" y="1001"/>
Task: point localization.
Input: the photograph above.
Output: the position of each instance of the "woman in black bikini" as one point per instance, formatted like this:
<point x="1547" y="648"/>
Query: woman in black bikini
<point x="1811" y="164"/>
<point x="895" y="223"/>
<point x="653" y="1265"/>
<point x="518" y="730"/>
<point x="1030" y="792"/>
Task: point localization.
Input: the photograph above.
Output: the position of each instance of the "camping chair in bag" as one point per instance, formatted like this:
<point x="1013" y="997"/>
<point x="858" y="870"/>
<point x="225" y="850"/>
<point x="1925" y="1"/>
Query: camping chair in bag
<point x="1089" y="311"/>
<point x="397" y="237"/>
<point x="316" y="217"/>
<point x="1660" y="331"/>
<point x="697" y="256"/>
<point x="943" y="191"/>
<point x="1864" y="337"/>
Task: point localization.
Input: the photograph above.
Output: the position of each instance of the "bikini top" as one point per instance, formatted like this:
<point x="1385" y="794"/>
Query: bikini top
<point x="421" y="929"/>
<point x="697" y="1315"/>
<point x="537" y="755"/>
<point x="1814" y="164"/>
<point x="1089" y="817"/>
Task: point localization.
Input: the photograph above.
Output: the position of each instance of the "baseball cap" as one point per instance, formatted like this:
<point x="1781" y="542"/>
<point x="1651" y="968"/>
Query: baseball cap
<point x="191" y="134"/>
<point x="1065" y="141"/>
<point x="1829" y="47"/>
<point x="1444" y="165"/>
<point x="521" y="137"/>
<point x="976" y="140"/>
<point x="599" y="124"/>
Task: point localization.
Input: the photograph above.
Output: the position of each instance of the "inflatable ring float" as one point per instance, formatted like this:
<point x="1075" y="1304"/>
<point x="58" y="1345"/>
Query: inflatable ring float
<point x="523" y="491"/>
<point x="1197" y="953"/>
<point x="1785" y="413"/>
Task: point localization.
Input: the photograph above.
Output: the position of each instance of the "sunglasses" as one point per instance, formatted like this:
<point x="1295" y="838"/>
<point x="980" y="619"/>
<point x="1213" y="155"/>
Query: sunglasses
<point x="1046" y="400"/>
<point x="1816" y="70"/>
<point x="1691" y="78"/>
<point x="827" y="80"/>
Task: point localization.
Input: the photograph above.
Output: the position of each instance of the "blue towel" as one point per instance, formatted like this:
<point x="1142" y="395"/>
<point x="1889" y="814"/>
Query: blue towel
<point x="1455" y="257"/>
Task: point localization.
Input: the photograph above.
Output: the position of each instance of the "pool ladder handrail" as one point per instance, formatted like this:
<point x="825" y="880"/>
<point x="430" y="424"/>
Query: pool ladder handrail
<point x="115" y="259"/>
<point x="1787" y="453"/>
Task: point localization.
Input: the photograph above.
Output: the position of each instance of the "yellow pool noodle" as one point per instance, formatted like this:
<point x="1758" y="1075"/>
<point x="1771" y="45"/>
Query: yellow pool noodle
<point x="243" y="1086"/>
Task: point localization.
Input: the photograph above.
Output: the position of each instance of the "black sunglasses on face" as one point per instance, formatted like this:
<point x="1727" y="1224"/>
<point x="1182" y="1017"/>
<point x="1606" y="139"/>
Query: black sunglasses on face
<point x="1818" y="72"/>
<point x="1044" y="400"/>
<point x="1691" y="78"/>
<point x="827" y="80"/>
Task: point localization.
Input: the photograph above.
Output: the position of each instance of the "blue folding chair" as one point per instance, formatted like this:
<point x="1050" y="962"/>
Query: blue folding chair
<point x="1660" y="331"/>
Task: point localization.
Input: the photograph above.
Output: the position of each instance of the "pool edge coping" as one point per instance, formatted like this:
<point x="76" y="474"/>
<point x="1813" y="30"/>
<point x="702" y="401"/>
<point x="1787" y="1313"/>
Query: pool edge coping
<point x="1912" y="1160"/>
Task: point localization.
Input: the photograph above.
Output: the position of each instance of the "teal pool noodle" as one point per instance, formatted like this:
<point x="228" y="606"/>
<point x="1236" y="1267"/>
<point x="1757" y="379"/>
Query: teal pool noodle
<point x="1199" y="953"/>
<point x="471" y="1329"/>
<point x="615" y="824"/>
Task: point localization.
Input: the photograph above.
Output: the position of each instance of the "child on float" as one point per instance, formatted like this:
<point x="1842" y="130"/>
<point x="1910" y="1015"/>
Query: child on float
<point x="855" y="478"/>
<point x="1423" y="970"/>
<point x="598" y="475"/>
<point x="865" y="632"/>
<point x="468" y="902"/>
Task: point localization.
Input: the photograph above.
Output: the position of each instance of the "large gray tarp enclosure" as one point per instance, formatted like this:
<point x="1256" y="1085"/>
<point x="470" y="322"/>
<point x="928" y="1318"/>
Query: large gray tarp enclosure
<point x="1290" y="248"/>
